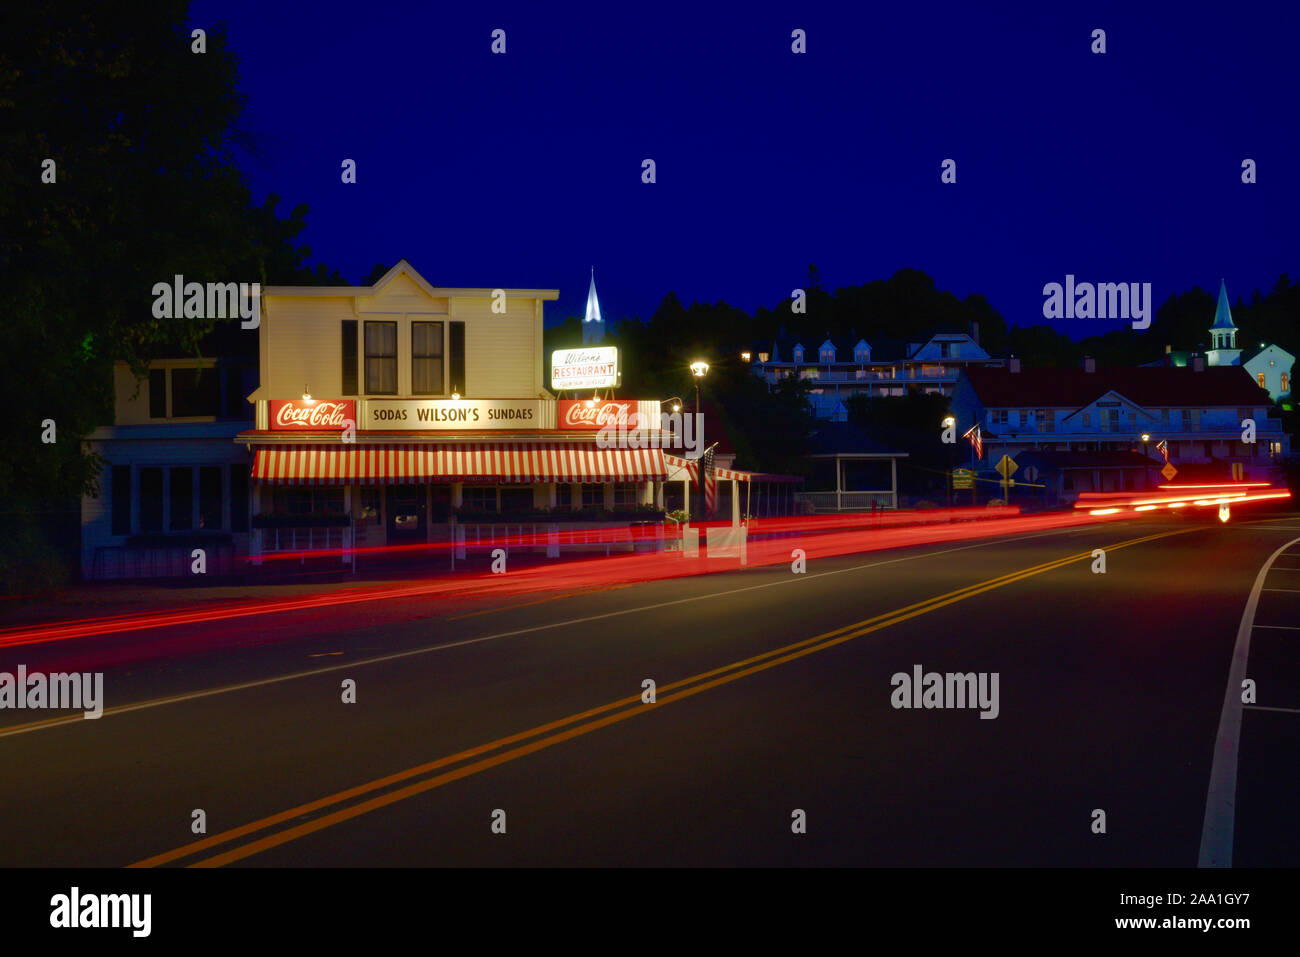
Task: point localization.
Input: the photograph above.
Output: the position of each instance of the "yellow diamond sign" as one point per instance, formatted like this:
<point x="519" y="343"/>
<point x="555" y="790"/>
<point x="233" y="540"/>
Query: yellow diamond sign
<point x="1006" y="466"/>
<point x="1168" y="472"/>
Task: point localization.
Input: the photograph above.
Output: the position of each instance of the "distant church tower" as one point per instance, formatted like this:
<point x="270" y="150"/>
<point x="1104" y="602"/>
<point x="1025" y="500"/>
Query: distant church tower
<point x="1223" y="334"/>
<point x="593" y="327"/>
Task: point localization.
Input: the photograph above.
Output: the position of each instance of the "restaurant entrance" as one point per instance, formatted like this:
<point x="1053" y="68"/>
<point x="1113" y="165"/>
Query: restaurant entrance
<point x="405" y="514"/>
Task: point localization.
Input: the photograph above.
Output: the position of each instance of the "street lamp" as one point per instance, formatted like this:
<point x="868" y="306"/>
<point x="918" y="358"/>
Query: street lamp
<point x="950" y="423"/>
<point x="1146" y="462"/>
<point x="699" y="369"/>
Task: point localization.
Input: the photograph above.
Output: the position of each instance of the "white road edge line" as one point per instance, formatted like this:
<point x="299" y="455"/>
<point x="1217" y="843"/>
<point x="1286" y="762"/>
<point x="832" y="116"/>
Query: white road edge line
<point x="261" y="682"/>
<point x="1221" y="799"/>
<point x="1260" y="707"/>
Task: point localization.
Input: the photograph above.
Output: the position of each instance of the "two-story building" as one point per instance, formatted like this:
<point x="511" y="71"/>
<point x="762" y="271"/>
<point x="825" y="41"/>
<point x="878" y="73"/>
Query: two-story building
<point x="173" y="481"/>
<point x="1082" y="427"/>
<point x="399" y="404"/>
<point x="838" y="370"/>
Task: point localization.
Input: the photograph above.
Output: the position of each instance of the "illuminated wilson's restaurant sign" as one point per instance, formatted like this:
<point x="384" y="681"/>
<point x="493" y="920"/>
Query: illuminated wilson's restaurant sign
<point x="314" y="415"/>
<point x="595" y="368"/>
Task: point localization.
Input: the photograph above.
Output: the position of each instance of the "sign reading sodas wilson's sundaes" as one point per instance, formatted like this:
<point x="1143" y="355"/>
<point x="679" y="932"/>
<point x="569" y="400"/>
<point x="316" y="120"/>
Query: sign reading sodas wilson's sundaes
<point x="471" y="415"/>
<point x="316" y="415"/>
<point x="588" y="368"/>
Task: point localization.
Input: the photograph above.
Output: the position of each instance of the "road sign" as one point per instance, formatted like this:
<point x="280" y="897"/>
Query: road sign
<point x="1031" y="474"/>
<point x="1169" y="472"/>
<point x="963" y="479"/>
<point x="1006" y="466"/>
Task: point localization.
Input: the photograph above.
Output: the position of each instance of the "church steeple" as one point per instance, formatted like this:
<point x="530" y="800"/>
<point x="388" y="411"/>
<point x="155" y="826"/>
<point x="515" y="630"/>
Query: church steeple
<point x="1223" y="334"/>
<point x="593" y="326"/>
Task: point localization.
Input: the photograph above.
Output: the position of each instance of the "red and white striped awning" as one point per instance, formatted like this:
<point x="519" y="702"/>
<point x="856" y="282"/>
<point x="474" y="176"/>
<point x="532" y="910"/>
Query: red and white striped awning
<point x="692" y="469"/>
<point x="690" y="466"/>
<point x="478" y="462"/>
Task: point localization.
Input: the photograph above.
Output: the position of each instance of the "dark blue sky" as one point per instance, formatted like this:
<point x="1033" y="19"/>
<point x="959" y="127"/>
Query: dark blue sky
<point x="525" y="169"/>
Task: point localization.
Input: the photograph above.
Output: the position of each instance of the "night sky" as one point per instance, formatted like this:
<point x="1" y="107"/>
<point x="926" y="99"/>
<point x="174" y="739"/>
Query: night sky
<point x="524" y="170"/>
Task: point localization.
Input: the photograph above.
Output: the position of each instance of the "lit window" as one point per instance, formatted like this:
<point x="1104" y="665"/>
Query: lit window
<point x="1286" y="382"/>
<point x="381" y="358"/>
<point x="1260" y="377"/>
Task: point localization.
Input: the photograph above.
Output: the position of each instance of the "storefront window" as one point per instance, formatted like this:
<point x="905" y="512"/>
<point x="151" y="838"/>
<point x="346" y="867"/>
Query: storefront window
<point x="381" y="358"/>
<point x="121" y="492"/>
<point x="368" y="507"/>
<point x="308" y="501"/>
<point x="210" y="497"/>
<point x="426" y="358"/>
<point x="593" y="495"/>
<point x="625" y="495"/>
<point x="182" y="498"/>
<point x="516" y="498"/>
<point x="479" y="498"/>
<point x="151" y="500"/>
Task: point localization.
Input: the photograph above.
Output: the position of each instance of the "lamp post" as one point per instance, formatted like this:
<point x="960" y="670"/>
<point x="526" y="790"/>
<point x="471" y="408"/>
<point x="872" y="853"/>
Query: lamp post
<point x="950" y="423"/>
<point x="1146" y="462"/>
<point x="699" y="369"/>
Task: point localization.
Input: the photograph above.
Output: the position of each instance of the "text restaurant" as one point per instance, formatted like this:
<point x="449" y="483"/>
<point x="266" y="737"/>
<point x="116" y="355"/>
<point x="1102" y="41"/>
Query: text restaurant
<point x="383" y="411"/>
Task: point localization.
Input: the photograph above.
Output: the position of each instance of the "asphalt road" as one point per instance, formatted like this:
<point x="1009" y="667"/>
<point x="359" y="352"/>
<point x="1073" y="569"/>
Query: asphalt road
<point x="773" y="695"/>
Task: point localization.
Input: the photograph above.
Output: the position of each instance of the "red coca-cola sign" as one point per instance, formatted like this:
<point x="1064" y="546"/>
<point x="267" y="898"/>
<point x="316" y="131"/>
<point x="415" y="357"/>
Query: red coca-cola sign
<point x="315" y="415"/>
<point x="577" y="414"/>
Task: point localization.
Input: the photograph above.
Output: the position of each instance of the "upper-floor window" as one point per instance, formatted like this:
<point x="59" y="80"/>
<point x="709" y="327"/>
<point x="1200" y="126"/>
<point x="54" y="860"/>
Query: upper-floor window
<point x="1187" y="420"/>
<point x="1286" y="382"/>
<point x="998" y="417"/>
<point x="194" y="393"/>
<point x="945" y="350"/>
<point x="798" y="353"/>
<point x="828" y="355"/>
<point x="861" y="356"/>
<point x="1260" y="377"/>
<point x="763" y="356"/>
<point x="426" y="359"/>
<point x="381" y="358"/>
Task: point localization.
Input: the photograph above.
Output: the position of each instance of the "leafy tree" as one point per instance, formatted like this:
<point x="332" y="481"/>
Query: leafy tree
<point x="143" y="135"/>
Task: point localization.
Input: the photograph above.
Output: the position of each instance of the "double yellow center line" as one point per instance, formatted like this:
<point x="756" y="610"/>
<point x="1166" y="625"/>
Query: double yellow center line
<point x="548" y="735"/>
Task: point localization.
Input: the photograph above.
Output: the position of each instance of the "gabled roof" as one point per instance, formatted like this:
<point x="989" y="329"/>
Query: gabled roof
<point x="1223" y="314"/>
<point x="403" y="268"/>
<point x="1148" y="386"/>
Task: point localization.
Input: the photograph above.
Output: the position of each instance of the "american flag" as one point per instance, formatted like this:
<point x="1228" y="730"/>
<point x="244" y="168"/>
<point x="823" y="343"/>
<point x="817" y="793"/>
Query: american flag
<point x="973" y="433"/>
<point x="710" y="480"/>
<point x="1163" y="447"/>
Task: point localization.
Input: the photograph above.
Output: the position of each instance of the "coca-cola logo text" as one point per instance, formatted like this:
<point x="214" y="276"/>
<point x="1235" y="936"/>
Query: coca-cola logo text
<point x="576" y="414"/>
<point x="321" y="416"/>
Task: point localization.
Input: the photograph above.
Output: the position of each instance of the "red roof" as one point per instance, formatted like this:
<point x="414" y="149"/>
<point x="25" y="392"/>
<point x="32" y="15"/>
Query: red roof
<point x="1148" y="386"/>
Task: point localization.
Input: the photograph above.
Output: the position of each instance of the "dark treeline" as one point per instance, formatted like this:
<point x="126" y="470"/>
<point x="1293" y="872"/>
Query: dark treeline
<point x="771" y="432"/>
